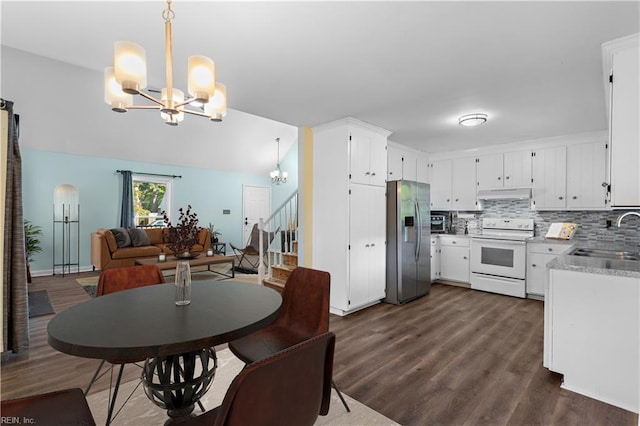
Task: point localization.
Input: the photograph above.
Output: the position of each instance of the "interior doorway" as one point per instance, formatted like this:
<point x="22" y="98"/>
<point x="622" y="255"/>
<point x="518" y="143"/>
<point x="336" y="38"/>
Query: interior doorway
<point x="256" y="204"/>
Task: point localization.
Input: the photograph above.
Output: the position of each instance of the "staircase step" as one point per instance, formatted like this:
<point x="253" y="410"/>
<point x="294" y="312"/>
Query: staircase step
<point x="290" y="259"/>
<point x="282" y="271"/>
<point x="274" y="283"/>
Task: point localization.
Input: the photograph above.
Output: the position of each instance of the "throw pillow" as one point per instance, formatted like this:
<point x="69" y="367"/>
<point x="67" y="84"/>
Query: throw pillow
<point x="139" y="237"/>
<point x="122" y="237"/>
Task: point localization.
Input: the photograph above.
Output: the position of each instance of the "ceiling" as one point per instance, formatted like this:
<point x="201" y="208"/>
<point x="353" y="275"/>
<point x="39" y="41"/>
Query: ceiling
<point x="410" y="67"/>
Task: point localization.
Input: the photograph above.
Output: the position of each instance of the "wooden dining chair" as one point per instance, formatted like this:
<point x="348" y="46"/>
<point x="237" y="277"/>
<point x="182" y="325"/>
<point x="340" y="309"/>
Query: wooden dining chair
<point x="112" y="281"/>
<point x="290" y="387"/>
<point x="304" y="313"/>
<point x="65" y="407"/>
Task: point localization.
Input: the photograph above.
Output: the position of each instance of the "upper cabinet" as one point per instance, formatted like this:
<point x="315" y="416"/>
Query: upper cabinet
<point x="550" y="178"/>
<point x="453" y="184"/>
<point x="585" y="175"/>
<point x="406" y="164"/>
<point x="620" y="58"/>
<point x="504" y="170"/>
<point x="367" y="156"/>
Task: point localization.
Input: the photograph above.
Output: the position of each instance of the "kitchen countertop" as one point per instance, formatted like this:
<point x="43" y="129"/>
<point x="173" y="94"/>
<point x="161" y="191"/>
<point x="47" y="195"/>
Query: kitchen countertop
<point x="597" y="265"/>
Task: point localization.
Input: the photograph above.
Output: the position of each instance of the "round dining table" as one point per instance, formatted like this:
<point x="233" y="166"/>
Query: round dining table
<point x="145" y="323"/>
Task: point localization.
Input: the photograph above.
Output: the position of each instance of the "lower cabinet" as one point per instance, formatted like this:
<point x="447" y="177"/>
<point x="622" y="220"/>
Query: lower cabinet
<point x="454" y="258"/>
<point x="538" y="255"/>
<point x="435" y="258"/>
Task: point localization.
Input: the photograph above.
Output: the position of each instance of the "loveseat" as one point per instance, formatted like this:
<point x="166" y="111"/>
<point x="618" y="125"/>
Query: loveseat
<point x="107" y="251"/>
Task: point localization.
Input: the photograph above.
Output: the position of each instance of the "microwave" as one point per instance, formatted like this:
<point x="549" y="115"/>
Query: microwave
<point x="440" y="223"/>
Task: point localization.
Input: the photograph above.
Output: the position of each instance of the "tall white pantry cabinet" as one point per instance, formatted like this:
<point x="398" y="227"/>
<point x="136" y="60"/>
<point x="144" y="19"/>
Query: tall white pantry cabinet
<point x="349" y="207"/>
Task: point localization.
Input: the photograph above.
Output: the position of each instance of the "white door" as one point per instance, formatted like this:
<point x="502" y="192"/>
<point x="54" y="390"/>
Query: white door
<point x="256" y="204"/>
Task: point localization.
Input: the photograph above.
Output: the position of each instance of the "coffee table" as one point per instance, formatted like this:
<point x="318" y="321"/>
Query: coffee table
<point x="201" y="260"/>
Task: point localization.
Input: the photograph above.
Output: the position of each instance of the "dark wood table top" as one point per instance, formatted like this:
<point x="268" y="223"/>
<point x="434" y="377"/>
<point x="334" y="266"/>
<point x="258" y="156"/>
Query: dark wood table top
<point x="145" y="322"/>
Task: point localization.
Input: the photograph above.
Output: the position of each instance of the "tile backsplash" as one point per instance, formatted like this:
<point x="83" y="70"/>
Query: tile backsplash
<point x="592" y="225"/>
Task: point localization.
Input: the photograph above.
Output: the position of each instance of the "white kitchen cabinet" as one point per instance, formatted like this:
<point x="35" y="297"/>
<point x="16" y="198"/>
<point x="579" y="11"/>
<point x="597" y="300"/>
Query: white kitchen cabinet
<point x="406" y="164"/>
<point x="367" y="156"/>
<point x="347" y="216"/>
<point x="454" y="258"/>
<point x="394" y="163"/>
<point x="435" y="258"/>
<point x="441" y="185"/>
<point x="585" y="174"/>
<point x="367" y="236"/>
<point x="594" y="336"/>
<point x="453" y="184"/>
<point x="538" y="255"/>
<point x="550" y="178"/>
<point x="463" y="184"/>
<point x="504" y="170"/>
<point x="622" y="58"/>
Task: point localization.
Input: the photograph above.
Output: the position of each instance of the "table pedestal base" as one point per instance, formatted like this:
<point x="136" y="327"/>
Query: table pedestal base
<point x="177" y="382"/>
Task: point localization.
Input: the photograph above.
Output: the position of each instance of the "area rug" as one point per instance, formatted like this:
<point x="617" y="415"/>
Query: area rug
<point x="90" y="284"/>
<point x="39" y="304"/>
<point x="140" y="411"/>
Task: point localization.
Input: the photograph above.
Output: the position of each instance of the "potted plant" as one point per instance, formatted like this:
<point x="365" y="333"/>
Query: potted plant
<point x="183" y="236"/>
<point x="32" y="235"/>
<point x="215" y="233"/>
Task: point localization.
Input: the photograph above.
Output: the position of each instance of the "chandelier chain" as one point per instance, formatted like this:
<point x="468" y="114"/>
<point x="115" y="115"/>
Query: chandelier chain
<point x="168" y="14"/>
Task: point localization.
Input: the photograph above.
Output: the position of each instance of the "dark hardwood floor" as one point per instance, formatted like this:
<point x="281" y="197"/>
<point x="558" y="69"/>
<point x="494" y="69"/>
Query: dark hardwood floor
<point x="454" y="357"/>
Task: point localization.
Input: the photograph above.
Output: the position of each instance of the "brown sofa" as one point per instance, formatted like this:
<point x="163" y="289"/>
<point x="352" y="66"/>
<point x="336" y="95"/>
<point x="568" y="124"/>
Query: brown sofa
<point x="105" y="253"/>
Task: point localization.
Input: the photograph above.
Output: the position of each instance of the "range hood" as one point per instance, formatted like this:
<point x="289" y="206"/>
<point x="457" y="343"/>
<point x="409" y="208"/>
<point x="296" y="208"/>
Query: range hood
<point x="504" y="194"/>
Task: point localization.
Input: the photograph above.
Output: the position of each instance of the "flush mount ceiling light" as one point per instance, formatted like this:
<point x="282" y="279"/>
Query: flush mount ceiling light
<point x="277" y="175"/>
<point x="128" y="77"/>
<point x="471" y="120"/>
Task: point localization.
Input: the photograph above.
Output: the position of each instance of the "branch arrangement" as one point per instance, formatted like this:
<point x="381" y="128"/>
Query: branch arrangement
<point x="182" y="237"/>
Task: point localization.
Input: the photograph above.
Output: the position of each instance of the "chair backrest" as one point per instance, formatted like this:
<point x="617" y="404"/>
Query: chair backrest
<point x="254" y="238"/>
<point x="66" y="407"/>
<point x="286" y="388"/>
<point x="118" y="279"/>
<point x="305" y="302"/>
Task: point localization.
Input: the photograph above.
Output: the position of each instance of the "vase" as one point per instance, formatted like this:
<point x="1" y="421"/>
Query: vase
<point x="183" y="283"/>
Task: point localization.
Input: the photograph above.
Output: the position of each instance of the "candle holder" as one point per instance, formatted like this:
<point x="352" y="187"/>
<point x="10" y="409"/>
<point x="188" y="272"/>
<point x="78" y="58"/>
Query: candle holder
<point x="209" y="252"/>
<point x="183" y="283"/>
<point x="162" y="257"/>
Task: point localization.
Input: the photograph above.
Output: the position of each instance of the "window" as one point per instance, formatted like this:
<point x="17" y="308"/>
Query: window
<point x="151" y="196"/>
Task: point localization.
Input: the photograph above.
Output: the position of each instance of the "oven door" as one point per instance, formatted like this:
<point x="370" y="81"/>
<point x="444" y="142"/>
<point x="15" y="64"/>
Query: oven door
<point x="502" y="258"/>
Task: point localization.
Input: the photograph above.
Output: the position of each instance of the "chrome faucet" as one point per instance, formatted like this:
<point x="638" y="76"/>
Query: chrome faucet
<point x="619" y="221"/>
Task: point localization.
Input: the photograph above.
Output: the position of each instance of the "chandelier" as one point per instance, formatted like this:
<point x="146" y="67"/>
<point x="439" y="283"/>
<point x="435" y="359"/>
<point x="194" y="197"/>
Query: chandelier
<point x="128" y="77"/>
<point x="277" y="175"/>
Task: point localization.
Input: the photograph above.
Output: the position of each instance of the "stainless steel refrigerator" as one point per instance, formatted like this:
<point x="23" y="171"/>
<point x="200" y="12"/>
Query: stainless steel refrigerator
<point x="408" y="241"/>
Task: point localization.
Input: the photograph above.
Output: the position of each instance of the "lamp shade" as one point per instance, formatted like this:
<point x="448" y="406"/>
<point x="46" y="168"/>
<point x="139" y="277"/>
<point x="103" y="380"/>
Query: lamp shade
<point x="113" y="94"/>
<point x="202" y="78"/>
<point x="216" y="108"/>
<point x="130" y="66"/>
<point x="65" y="202"/>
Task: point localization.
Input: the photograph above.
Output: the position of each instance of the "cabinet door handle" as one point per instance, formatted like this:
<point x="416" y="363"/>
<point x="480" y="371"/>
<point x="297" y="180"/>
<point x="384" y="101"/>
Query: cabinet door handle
<point x="499" y="178"/>
<point x="366" y="245"/>
<point x="457" y="199"/>
<point x="533" y="264"/>
<point x="373" y="245"/>
<point x="448" y="199"/>
<point x="366" y="174"/>
<point x="574" y="197"/>
<point x="560" y="198"/>
<point x="550" y="249"/>
<point x="464" y="257"/>
<point x="506" y="177"/>
<point x="453" y="242"/>
<point x="373" y="174"/>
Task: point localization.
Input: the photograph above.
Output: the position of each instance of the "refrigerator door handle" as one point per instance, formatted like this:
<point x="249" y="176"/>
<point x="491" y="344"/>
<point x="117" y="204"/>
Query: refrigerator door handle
<point x="419" y="239"/>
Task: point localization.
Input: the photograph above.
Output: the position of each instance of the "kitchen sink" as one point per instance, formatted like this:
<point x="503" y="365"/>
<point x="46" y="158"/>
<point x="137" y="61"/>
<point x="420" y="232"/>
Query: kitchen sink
<point x="606" y="254"/>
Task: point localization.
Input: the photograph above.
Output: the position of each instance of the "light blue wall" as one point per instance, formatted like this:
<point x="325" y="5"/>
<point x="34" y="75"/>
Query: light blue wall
<point x="208" y="191"/>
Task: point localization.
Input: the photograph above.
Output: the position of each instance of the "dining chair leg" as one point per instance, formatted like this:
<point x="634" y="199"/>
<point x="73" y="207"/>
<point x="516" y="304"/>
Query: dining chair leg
<point x="94" y="378"/>
<point x="115" y="395"/>
<point x="333" y="384"/>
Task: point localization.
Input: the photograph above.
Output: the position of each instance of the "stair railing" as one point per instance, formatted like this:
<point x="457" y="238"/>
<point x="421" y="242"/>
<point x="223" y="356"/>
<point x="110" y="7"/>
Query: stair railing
<point x="284" y="222"/>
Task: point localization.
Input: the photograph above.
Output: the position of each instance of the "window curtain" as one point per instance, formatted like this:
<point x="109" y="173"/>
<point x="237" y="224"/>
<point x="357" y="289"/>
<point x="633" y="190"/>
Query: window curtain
<point x="126" y="213"/>
<point x="15" y="310"/>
